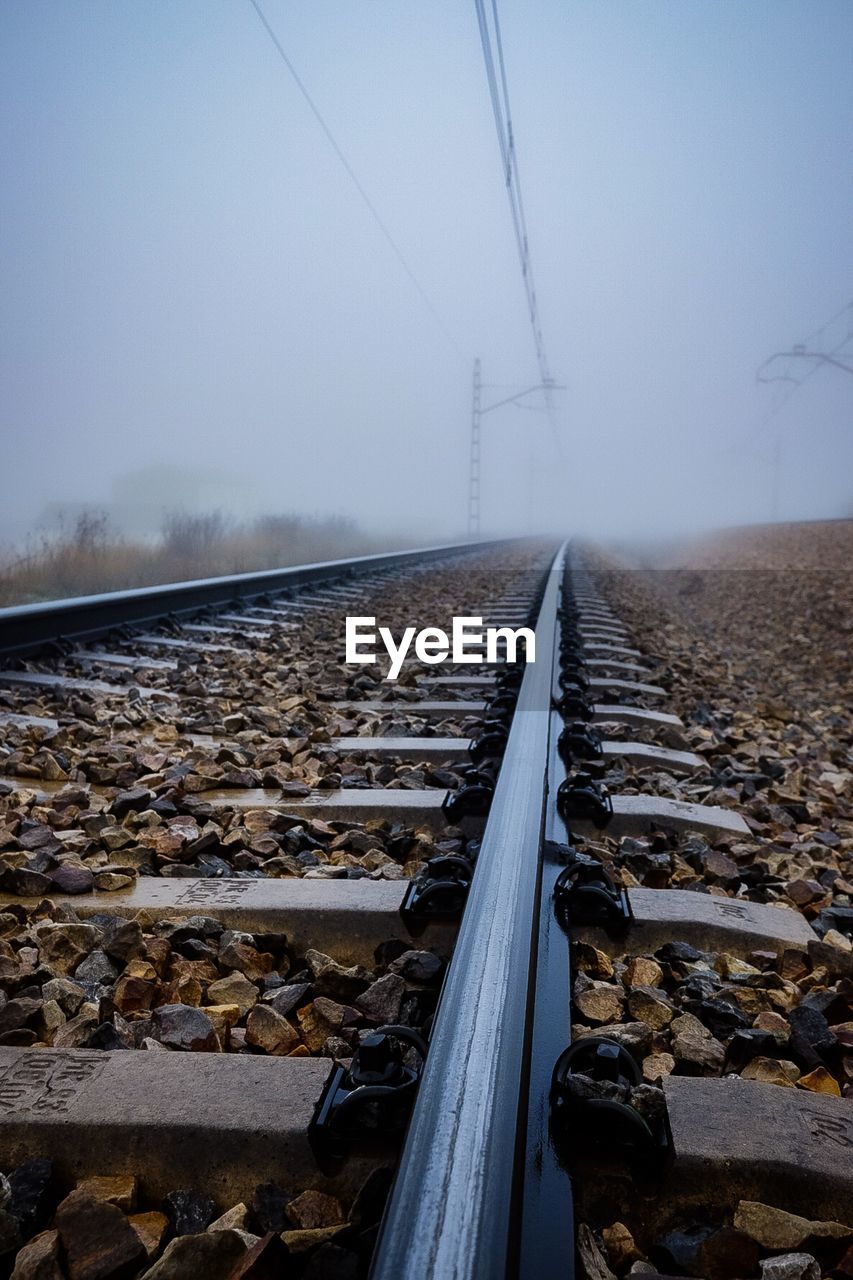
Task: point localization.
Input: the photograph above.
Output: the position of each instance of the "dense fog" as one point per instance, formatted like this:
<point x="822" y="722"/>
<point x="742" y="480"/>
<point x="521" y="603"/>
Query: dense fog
<point x="200" y="314"/>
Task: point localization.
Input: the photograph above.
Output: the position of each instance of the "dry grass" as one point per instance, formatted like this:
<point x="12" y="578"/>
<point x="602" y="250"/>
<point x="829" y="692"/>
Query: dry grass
<point x="809" y="544"/>
<point x="89" y="558"/>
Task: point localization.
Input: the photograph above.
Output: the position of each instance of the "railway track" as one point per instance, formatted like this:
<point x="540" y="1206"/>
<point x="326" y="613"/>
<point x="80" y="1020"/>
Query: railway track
<point x="311" y="974"/>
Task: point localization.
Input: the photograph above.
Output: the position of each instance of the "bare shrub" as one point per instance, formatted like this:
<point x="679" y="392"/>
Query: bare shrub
<point x="87" y="557"/>
<point x="188" y="536"/>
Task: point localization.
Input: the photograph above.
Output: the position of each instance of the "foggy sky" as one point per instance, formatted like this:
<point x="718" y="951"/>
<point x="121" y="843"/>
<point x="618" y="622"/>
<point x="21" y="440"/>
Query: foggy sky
<point x="188" y="275"/>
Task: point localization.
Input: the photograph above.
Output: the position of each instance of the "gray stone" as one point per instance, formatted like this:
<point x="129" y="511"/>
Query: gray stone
<point x="636" y="1036"/>
<point x="189" y="1211"/>
<point x="72" y="879"/>
<point x="331" y="978"/>
<point x="67" y="994"/>
<point x="381" y="1001"/>
<point x="790" y="1266"/>
<point x="288" y="998"/>
<point x="97" y="967"/>
<point x="75" y="1033"/>
<point x="182" y="1026"/>
<point x="418" y="966"/>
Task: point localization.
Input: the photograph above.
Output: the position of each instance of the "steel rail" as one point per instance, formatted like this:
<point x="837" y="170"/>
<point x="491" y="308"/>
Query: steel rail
<point x="25" y="628"/>
<point x="451" y="1215"/>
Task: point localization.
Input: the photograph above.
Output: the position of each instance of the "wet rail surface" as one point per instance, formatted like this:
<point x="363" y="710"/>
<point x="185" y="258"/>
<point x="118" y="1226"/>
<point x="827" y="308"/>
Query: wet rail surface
<point x="309" y="974"/>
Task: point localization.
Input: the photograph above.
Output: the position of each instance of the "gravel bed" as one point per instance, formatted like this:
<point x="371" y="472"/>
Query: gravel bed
<point x="782" y="1019"/>
<point x="104" y="1227"/>
<point x="757" y="1240"/>
<point x="191" y="985"/>
<point x="750" y="636"/>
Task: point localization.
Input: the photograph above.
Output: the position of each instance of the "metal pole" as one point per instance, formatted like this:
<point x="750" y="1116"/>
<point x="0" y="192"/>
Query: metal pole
<point x="777" y="466"/>
<point x="474" y="464"/>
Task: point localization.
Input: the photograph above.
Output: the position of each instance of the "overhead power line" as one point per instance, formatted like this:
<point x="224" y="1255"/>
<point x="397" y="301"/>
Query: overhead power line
<point x="809" y="349"/>
<point x="493" y="56"/>
<point x="805" y="350"/>
<point x="336" y="147"/>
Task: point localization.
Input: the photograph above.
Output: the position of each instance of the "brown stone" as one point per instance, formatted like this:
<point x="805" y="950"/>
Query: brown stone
<point x="223" y="1017"/>
<point x="39" y="1259"/>
<point x="99" y="1242"/>
<point x="246" y="960"/>
<point x="63" y="946"/>
<point x="592" y="1259"/>
<point x="268" y="1030"/>
<point x="803" y="892"/>
<point x="133" y="995"/>
<point x="642" y="971"/>
<point x="769" y="1071"/>
<point x="657" y="1065"/>
<point x="313" y="1209"/>
<point x="301" y="1241"/>
<point x="237" y="1217"/>
<point x="702" y="1055"/>
<point x="151" y="1228"/>
<point x="234" y="989"/>
<point x="820" y="1081"/>
<point x="76" y="1031"/>
<point x="119" y="1190"/>
<point x="621" y="1246"/>
<point x="775" y="1229"/>
<point x="264" y="1259"/>
<point x="773" y="1022"/>
<point x="598" y="1001"/>
<point x="652" y="1006"/>
<point x="207" y="1256"/>
<point x="589" y="960"/>
<point x="314" y="1028"/>
<point x="186" y="989"/>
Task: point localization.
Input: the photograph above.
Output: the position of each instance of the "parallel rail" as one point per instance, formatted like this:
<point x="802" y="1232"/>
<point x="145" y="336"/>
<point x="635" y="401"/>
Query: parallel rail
<point x="25" y="628"/>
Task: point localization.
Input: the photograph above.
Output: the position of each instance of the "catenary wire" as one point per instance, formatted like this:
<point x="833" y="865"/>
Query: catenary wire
<point x="490" y="39"/>
<point x="425" y="298"/>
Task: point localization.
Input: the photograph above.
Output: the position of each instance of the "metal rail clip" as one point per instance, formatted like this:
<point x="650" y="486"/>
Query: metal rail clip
<point x="584" y="894"/>
<point x="371" y="1097"/>
<point x="581" y="797"/>
<point x="501" y="705"/>
<point x="573" y="673"/>
<point x="439" y="892"/>
<point x="509" y="679"/>
<point x="591" y="1106"/>
<point x="578" y="741"/>
<point x="472" y="800"/>
<point x="573" y="702"/>
<point x="59" y="647"/>
<point x="572" y="651"/>
<point x="490" y="745"/>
